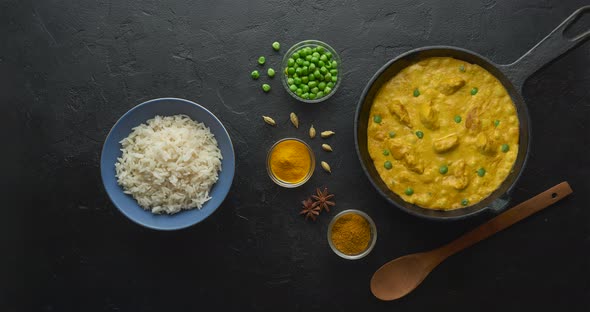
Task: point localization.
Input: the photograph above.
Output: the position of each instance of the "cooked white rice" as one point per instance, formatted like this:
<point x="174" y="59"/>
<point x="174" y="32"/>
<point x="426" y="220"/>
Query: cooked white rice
<point x="169" y="164"/>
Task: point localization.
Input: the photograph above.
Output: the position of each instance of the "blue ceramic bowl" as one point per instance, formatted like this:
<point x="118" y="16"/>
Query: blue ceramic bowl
<point x="112" y="150"/>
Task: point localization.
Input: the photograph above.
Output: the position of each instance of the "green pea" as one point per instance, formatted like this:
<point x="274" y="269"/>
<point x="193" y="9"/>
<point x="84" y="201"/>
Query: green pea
<point x="462" y="68"/>
<point x="323" y="58"/>
<point x="270" y="72"/>
<point x="299" y="92"/>
<point x="315" y="90"/>
<point x="505" y="148"/>
<point x="328" y="77"/>
<point x="306" y="63"/>
<point x="328" y="55"/>
<point x="321" y="63"/>
<point x="304" y="70"/>
<point x="320" y="49"/>
<point x="305" y="88"/>
<point x="330" y="84"/>
<point x="315" y="54"/>
<point x="308" y="50"/>
<point x="309" y="58"/>
<point x="416" y="92"/>
<point x="481" y="172"/>
<point x="255" y="74"/>
<point x="419" y="134"/>
<point x="314" y="60"/>
<point x="312" y="84"/>
<point x="290" y="61"/>
<point x="296" y="55"/>
<point x="333" y="72"/>
<point x="377" y="119"/>
<point x="387" y="165"/>
<point x="322" y="85"/>
<point x="334" y="64"/>
<point x="312" y="96"/>
<point x="276" y="46"/>
<point x="327" y="90"/>
<point x="305" y="95"/>
<point x="391" y="134"/>
<point x="465" y="202"/>
<point x="261" y="60"/>
<point x="474" y="91"/>
<point x="290" y="70"/>
<point x="299" y="61"/>
<point x="304" y="79"/>
<point x="312" y="67"/>
<point x="265" y="87"/>
<point x="386" y="152"/>
<point x="334" y="79"/>
<point x="320" y="94"/>
<point x="409" y="191"/>
<point x="290" y="81"/>
<point x="457" y="119"/>
<point x="317" y="74"/>
<point x="443" y="169"/>
<point x="297" y="81"/>
<point x="311" y="77"/>
<point x="323" y="70"/>
<point x="293" y="87"/>
<point x="496" y="123"/>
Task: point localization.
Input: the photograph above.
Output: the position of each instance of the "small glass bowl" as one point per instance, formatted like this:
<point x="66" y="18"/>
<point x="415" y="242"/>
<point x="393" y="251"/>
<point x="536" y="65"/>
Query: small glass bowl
<point x="284" y="183"/>
<point x="312" y="44"/>
<point x="371" y="243"/>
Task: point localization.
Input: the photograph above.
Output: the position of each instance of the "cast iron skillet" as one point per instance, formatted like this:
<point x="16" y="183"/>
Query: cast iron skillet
<point x="512" y="77"/>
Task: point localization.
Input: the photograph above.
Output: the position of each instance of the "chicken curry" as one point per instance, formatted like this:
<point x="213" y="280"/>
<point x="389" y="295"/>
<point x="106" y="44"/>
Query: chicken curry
<point x="443" y="133"/>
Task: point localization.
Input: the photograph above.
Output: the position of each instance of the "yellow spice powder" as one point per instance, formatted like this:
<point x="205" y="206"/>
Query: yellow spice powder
<point x="290" y="161"/>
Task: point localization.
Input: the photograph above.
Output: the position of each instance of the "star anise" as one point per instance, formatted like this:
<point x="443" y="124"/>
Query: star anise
<point x="310" y="209"/>
<point x="322" y="199"/>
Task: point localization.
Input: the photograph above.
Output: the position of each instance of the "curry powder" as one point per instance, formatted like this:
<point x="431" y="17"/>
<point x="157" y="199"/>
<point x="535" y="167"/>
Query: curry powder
<point x="290" y="161"/>
<point x="351" y="234"/>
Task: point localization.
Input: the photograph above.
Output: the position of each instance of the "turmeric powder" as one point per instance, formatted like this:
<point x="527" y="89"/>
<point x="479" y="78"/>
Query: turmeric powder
<point x="351" y="234"/>
<point x="290" y="161"/>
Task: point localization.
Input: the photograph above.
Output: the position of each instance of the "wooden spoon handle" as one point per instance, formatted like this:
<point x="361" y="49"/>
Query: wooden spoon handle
<point x="505" y="219"/>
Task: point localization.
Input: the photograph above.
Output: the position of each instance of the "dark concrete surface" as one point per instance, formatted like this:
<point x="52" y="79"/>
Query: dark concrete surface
<point x="70" y="69"/>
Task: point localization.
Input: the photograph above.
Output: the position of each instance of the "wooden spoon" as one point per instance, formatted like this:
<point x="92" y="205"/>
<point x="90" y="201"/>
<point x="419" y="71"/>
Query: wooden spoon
<point x="399" y="277"/>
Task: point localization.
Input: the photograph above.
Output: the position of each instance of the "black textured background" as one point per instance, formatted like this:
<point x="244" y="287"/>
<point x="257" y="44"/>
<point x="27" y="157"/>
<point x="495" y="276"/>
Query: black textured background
<point x="69" y="69"/>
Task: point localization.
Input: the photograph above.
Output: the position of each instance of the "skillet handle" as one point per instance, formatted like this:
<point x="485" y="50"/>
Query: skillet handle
<point x="548" y="49"/>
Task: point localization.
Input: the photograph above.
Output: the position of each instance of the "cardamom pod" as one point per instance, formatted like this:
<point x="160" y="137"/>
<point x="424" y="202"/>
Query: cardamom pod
<point x="326" y="167"/>
<point x="294" y="120"/>
<point x="312" y="132"/>
<point x="327" y="148"/>
<point x="269" y="120"/>
<point x="327" y="134"/>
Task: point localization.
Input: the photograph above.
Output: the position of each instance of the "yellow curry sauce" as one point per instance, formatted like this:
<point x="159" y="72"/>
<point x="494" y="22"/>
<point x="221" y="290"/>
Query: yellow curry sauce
<point x="443" y="133"/>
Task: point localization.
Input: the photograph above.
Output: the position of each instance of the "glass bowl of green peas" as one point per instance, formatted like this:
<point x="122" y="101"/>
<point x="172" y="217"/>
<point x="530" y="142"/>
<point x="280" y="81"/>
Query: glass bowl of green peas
<point x="311" y="71"/>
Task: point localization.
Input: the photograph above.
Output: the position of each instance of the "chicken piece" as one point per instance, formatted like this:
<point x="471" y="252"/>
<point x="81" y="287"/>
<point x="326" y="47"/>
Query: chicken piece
<point x="402" y="151"/>
<point x="450" y="85"/>
<point x="473" y="122"/>
<point x="379" y="136"/>
<point x="446" y="143"/>
<point x="486" y="144"/>
<point x="397" y="108"/>
<point x="413" y="163"/>
<point x="398" y="148"/>
<point x="429" y="116"/>
<point x="459" y="179"/>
